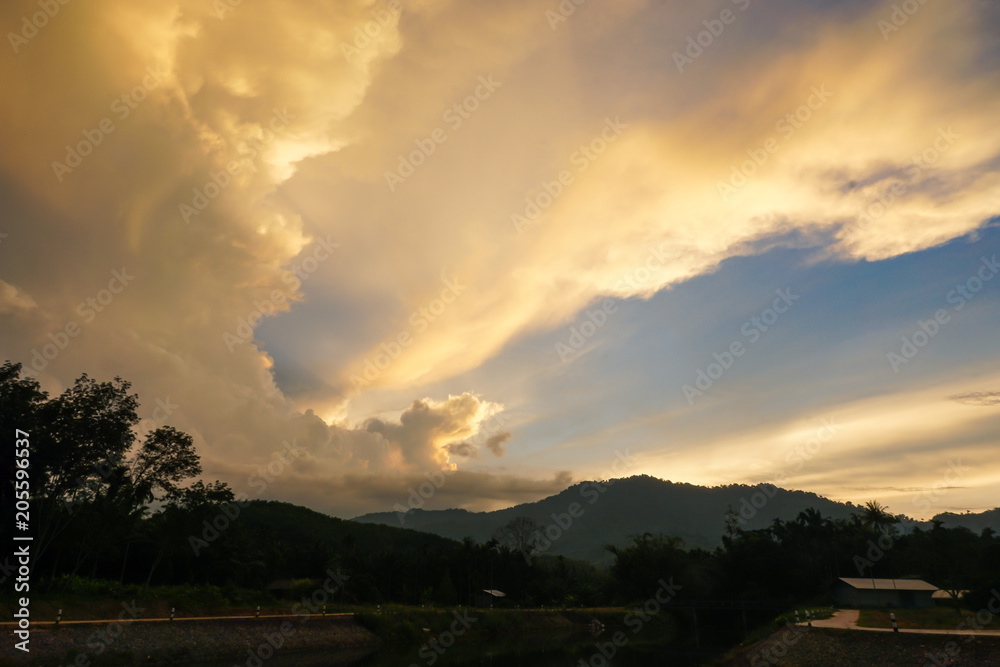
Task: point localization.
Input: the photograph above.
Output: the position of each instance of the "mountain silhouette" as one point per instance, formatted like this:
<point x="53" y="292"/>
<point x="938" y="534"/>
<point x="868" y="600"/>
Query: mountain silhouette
<point x="611" y="512"/>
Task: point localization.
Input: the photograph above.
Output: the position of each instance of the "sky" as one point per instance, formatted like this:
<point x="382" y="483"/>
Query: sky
<point x="461" y="254"/>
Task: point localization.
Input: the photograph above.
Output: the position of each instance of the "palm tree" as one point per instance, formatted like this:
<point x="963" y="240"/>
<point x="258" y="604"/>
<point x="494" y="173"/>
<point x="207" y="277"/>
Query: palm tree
<point x="876" y="515"/>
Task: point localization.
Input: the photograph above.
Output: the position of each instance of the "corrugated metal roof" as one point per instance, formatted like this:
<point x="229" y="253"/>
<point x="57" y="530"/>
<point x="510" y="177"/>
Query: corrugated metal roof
<point x="868" y="584"/>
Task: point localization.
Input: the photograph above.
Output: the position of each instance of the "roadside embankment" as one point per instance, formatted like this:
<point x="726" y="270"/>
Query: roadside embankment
<point x="820" y="647"/>
<point x="245" y="641"/>
<point x="251" y="641"/>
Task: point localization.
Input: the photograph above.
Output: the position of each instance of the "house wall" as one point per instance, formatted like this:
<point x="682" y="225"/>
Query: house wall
<point x="849" y="596"/>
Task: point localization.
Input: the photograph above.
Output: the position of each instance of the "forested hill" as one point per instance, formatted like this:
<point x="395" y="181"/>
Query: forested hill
<point x="288" y="524"/>
<point x="974" y="522"/>
<point x="611" y="513"/>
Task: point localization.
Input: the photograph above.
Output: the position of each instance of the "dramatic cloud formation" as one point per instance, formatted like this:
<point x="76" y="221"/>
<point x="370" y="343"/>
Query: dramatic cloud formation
<point x="396" y="234"/>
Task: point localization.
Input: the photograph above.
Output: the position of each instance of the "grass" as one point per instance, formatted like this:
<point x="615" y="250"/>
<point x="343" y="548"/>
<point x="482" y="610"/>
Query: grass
<point x="932" y="618"/>
<point x="87" y="599"/>
<point x="82" y="598"/>
<point x="819" y="614"/>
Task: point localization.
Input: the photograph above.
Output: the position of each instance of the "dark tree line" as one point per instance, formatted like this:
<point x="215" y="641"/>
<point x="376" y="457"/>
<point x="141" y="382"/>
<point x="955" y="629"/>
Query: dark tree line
<point x="107" y="505"/>
<point x="800" y="560"/>
<point x="93" y="483"/>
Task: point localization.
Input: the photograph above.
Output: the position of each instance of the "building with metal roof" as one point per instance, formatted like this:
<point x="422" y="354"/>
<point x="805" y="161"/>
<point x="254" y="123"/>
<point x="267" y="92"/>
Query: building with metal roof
<point x="868" y="592"/>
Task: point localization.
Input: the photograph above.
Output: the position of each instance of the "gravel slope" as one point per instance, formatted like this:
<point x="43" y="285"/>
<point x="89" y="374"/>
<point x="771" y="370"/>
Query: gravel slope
<point x="852" y="648"/>
<point x="183" y="642"/>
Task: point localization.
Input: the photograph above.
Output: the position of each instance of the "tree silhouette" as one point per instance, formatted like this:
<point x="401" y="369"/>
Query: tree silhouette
<point x="876" y="515"/>
<point x="519" y="534"/>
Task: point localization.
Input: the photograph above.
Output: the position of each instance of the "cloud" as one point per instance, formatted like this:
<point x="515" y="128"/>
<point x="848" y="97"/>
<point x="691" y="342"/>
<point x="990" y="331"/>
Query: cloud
<point x="349" y="495"/>
<point x="422" y="436"/>
<point x="983" y="398"/>
<point x="856" y="444"/>
<point x="13" y="301"/>
<point x="463" y="449"/>
<point x="683" y="188"/>
<point x="496" y="443"/>
<point x="241" y="142"/>
<point x="902" y="490"/>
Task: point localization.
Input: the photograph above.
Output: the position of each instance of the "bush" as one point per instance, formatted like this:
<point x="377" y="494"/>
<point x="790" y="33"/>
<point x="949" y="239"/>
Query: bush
<point x="980" y="597"/>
